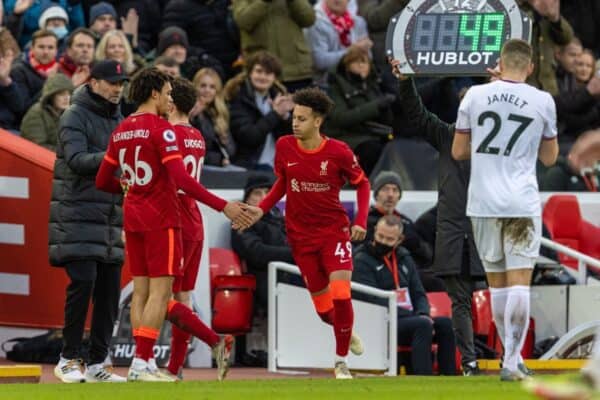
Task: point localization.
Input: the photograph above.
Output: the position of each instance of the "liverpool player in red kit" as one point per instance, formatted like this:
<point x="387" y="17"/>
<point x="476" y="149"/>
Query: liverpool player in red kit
<point x="311" y="169"/>
<point x="192" y="147"/>
<point x="145" y="147"/>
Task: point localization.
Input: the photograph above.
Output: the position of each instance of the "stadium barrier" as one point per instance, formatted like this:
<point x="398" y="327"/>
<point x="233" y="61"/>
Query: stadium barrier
<point x="298" y="339"/>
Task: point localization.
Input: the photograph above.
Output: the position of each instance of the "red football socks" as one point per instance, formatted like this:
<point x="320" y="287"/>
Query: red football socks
<point x="184" y="318"/>
<point x="324" y="306"/>
<point x="343" y="317"/>
<point x="145" y="338"/>
<point x="179" y="345"/>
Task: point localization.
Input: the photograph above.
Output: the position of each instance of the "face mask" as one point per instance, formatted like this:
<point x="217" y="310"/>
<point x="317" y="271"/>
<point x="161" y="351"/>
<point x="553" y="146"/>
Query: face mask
<point x="61" y="31"/>
<point x="380" y="249"/>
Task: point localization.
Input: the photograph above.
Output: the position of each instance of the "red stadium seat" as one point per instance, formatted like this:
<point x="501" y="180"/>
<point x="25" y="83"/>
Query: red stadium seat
<point x="440" y="304"/>
<point x="562" y="217"/>
<point x="481" y="309"/>
<point x="232" y="292"/>
<point x="223" y="262"/>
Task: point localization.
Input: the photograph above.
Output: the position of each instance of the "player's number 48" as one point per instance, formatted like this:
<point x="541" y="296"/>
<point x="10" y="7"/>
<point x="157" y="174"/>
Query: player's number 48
<point x="522" y="124"/>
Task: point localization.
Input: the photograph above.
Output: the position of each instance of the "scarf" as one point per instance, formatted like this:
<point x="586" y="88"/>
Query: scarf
<point x="41" y="69"/>
<point x="342" y="24"/>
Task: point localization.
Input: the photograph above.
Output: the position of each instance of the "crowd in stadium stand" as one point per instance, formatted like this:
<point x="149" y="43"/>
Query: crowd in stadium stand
<point x="246" y="57"/>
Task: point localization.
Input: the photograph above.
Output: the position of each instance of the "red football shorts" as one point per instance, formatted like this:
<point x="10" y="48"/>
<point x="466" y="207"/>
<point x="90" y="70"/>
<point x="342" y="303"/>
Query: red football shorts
<point x="154" y="253"/>
<point x="192" y="252"/>
<point x="316" y="263"/>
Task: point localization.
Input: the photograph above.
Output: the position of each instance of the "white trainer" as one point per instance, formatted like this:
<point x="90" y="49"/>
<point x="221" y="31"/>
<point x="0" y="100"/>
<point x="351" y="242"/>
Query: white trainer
<point x="69" y="371"/>
<point x="162" y="373"/>
<point x="141" y="372"/>
<point x="356" y="344"/>
<point x="99" y="373"/>
<point x="341" y="370"/>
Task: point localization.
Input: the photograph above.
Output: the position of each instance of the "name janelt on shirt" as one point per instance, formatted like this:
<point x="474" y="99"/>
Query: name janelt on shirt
<point x="507" y="98"/>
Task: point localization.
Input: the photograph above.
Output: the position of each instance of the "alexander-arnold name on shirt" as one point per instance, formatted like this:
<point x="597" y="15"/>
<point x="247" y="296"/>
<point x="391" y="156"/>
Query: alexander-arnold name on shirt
<point x="129" y="135"/>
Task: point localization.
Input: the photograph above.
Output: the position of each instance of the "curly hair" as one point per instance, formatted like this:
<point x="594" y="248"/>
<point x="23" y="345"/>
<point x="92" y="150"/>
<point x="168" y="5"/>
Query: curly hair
<point x="144" y="82"/>
<point x="313" y="98"/>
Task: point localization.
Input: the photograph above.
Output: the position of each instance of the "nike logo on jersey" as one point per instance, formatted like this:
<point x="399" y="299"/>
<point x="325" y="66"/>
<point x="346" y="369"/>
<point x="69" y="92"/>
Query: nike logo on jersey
<point x="379" y="267"/>
<point x="291" y="164"/>
<point x="345" y="261"/>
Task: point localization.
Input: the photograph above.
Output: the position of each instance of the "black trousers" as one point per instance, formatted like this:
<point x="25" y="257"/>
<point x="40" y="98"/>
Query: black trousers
<point x="99" y="283"/>
<point x="418" y="332"/>
<point x="460" y="290"/>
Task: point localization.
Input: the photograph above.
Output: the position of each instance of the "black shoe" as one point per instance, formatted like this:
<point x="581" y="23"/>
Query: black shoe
<point x="471" y="370"/>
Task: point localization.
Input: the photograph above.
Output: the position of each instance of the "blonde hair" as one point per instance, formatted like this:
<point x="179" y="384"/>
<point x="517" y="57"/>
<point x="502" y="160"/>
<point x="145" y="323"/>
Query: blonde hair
<point x="217" y="110"/>
<point x="128" y="64"/>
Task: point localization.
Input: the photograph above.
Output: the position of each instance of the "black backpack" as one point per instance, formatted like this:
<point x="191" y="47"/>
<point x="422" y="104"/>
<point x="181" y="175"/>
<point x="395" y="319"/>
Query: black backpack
<point x="43" y="349"/>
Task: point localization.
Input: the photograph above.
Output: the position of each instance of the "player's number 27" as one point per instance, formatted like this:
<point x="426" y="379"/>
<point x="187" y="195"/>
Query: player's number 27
<point x="522" y="121"/>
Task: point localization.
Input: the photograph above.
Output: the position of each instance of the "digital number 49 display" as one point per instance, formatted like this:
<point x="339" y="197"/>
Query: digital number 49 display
<point x="449" y="37"/>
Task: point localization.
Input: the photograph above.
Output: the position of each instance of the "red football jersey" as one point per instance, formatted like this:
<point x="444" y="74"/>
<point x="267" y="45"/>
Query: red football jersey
<point x="141" y="144"/>
<point x="313" y="182"/>
<point x="192" y="147"/>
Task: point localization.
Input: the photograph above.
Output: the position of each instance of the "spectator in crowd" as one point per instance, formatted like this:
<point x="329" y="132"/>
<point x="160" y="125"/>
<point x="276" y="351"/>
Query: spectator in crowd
<point x="335" y="32"/>
<point x="211" y="117"/>
<point x="78" y="57"/>
<point x="377" y="14"/>
<point x="387" y="192"/>
<point x="103" y="18"/>
<point x="569" y="176"/>
<point x="567" y="60"/>
<point x="173" y="42"/>
<point x="578" y="110"/>
<point x="55" y="19"/>
<point x="455" y="258"/>
<point x="384" y="264"/>
<point x="210" y="27"/>
<point x="549" y="30"/>
<point x="36" y="64"/>
<point x="168" y="65"/>
<point x="583" y="16"/>
<point x="24" y="16"/>
<point x="264" y="241"/>
<point x="585" y="67"/>
<point x="143" y="36"/>
<point x="258" y="20"/>
<point x="362" y="116"/>
<point x="86" y="224"/>
<point x="40" y="123"/>
<point x="12" y="97"/>
<point x="260" y="111"/>
<point x="115" y="46"/>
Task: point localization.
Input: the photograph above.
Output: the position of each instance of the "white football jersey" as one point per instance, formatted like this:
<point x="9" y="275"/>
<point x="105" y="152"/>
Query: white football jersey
<point x="507" y="121"/>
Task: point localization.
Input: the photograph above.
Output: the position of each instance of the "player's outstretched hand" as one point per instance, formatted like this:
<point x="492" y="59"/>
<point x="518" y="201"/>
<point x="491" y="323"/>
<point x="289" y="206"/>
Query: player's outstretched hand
<point x="254" y="212"/>
<point x="358" y="233"/>
<point x="236" y="212"/>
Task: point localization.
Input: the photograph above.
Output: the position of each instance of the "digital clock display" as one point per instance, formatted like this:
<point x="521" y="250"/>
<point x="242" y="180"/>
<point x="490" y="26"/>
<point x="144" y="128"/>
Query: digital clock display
<point x="434" y="38"/>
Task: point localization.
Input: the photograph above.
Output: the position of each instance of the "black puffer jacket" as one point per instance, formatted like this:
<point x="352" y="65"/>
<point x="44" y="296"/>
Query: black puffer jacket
<point x="249" y="127"/>
<point x="85" y="223"/>
<point x="209" y="26"/>
<point x="27" y="80"/>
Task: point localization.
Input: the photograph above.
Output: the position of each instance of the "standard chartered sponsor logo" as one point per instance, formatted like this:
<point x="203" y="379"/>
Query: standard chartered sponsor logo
<point x="309" y="186"/>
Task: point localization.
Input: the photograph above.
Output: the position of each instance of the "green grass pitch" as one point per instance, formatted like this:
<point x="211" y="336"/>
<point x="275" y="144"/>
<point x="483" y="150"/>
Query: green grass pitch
<point x="400" y="388"/>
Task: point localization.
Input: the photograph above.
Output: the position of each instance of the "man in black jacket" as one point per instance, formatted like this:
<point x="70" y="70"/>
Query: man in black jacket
<point x="264" y="242"/>
<point x="455" y="256"/>
<point x="384" y="264"/>
<point x="86" y="223"/>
